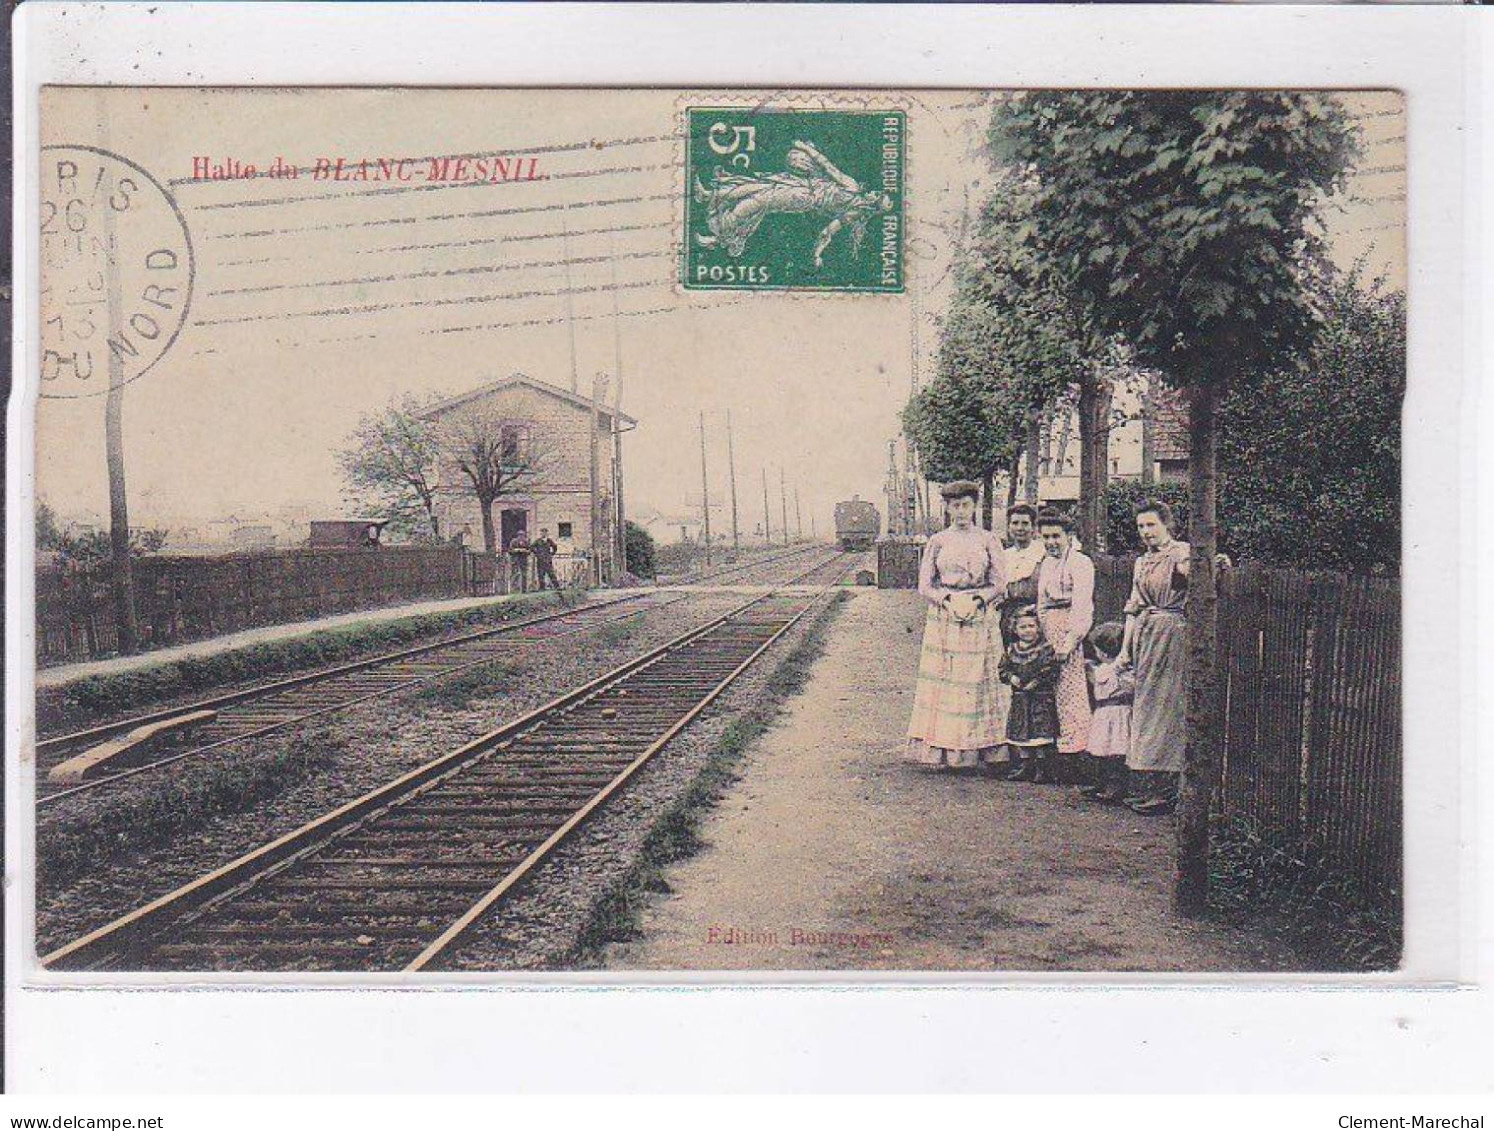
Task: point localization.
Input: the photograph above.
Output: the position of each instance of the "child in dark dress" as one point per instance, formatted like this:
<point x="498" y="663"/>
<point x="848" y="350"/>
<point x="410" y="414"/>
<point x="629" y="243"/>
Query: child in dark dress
<point x="1031" y="669"/>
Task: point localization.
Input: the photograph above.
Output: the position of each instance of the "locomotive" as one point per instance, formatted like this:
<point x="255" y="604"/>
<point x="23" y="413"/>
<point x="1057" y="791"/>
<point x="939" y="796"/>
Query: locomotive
<point x="857" y="524"/>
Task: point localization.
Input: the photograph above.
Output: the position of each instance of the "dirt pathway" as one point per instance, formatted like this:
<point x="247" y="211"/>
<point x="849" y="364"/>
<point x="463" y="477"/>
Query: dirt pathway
<point x="832" y="853"/>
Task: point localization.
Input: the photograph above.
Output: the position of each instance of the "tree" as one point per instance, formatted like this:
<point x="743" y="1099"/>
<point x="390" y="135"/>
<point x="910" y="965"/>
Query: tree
<point x="495" y="457"/>
<point x="1182" y="219"/>
<point x="1070" y="359"/>
<point x="390" y="466"/>
<point x="639" y="550"/>
<point x="1006" y="356"/>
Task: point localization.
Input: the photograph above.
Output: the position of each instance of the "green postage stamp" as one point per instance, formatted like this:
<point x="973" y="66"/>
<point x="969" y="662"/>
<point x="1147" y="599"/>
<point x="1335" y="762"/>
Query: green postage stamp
<point x="784" y="199"/>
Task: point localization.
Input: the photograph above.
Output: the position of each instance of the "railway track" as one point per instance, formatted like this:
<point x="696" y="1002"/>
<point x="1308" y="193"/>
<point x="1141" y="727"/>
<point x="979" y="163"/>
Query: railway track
<point x="257" y="711"/>
<point x="396" y="879"/>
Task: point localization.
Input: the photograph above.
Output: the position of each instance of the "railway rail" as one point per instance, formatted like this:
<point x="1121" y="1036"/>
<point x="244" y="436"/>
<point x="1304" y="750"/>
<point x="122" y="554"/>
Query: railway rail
<point x="398" y="878"/>
<point x="256" y="711"/>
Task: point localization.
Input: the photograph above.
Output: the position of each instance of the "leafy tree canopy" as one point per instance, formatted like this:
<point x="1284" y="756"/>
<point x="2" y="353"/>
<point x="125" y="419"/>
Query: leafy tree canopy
<point x="1181" y="217"/>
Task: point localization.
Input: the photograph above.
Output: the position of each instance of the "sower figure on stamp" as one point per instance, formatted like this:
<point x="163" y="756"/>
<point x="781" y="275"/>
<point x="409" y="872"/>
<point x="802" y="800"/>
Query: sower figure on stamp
<point x="543" y="548"/>
<point x="738" y="203"/>
<point x="959" y="703"/>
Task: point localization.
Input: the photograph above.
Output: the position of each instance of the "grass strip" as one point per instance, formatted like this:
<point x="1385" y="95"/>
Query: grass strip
<point x="82" y="702"/>
<point x="68" y="848"/>
<point x="675" y="835"/>
<point x="1302" y="899"/>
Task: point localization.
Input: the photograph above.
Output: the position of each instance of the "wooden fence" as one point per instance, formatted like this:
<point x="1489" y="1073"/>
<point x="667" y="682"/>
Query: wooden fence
<point x="1310" y="687"/>
<point x="189" y="598"/>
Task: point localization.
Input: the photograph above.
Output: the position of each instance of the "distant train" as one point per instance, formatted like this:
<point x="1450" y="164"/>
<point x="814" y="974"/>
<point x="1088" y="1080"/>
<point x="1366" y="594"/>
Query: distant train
<point x="857" y="524"/>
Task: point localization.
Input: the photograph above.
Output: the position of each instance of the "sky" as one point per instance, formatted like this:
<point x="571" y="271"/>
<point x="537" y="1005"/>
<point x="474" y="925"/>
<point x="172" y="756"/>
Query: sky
<point x="315" y="302"/>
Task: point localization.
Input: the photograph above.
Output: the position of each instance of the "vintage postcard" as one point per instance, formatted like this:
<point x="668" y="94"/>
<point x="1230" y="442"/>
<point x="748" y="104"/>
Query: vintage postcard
<point x="884" y="532"/>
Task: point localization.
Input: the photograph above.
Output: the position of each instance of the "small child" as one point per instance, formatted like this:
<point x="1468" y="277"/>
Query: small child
<point x="1031" y="670"/>
<point x="1110" y="731"/>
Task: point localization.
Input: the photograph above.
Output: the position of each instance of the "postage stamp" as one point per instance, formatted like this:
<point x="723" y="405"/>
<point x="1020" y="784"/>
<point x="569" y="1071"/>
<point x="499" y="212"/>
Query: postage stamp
<point x="116" y="271"/>
<point x="787" y="199"/>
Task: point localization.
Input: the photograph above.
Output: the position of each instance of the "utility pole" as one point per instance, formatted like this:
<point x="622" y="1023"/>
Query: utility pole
<point x="767" y="512"/>
<point x="595" y="469"/>
<point x="783" y="502"/>
<point x="620" y="533"/>
<point x="122" y="575"/>
<point x="705" y="491"/>
<point x="731" y="463"/>
<point x="798" y="514"/>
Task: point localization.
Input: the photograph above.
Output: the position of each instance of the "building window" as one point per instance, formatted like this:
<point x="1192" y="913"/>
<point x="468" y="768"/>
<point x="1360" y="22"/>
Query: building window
<point x="513" y="439"/>
<point x="1172" y="470"/>
<point x="563" y="530"/>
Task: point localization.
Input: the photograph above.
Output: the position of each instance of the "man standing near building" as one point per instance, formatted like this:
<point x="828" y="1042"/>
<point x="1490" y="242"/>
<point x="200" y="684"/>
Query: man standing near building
<point x="543" y="548"/>
<point x="518" y="555"/>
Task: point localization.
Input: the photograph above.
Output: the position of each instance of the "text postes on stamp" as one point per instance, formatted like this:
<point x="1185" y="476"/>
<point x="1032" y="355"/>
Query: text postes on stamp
<point x="787" y="199"/>
<point x="116" y="271"/>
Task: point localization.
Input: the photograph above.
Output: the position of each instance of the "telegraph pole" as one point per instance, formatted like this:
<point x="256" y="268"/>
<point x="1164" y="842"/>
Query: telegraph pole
<point x="798" y="514"/>
<point x="705" y="490"/>
<point x="731" y="463"/>
<point x="620" y="533"/>
<point x="767" y="511"/>
<point x="595" y="470"/>
<point x="783" y="502"/>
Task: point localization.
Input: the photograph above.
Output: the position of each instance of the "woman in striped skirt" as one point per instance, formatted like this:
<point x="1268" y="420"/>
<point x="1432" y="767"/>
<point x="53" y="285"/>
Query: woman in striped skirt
<point x="960" y="703"/>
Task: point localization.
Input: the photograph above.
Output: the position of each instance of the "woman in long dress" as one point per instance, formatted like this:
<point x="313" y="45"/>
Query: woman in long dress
<point x="1155" y="643"/>
<point x="1066" y="611"/>
<point x="960" y="703"/>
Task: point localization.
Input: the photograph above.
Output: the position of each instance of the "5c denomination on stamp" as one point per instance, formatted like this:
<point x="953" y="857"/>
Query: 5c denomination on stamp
<point x="116" y="271"/>
<point x="786" y="199"/>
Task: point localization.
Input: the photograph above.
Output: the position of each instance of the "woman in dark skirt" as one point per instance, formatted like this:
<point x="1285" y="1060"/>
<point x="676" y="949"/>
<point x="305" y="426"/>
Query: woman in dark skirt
<point x="1155" y="644"/>
<point x="1031" y="670"/>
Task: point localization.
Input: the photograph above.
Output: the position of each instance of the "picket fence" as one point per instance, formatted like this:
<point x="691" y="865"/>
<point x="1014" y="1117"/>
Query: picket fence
<point x="1310" y="689"/>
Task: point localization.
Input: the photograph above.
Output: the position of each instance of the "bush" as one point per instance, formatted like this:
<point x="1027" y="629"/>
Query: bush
<point x="639" y="546"/>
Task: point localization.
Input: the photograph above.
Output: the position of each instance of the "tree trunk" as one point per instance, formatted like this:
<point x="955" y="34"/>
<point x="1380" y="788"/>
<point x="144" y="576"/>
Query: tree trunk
<point x="1011" y="480"/>
<point x="1094" y="446"/>
<point x="987" y="502"/>
<point x="1034" y="438"/>
<point x="489" y="535"/>
<point x="1202" y="761"/>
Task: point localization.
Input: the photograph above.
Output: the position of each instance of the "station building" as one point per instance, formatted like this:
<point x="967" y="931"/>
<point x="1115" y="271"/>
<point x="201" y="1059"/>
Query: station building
<point x="543" y="435"/>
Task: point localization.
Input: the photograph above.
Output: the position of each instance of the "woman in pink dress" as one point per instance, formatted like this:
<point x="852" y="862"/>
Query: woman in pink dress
<point x="960" y="703"/>
<point x="1066" y="611"/>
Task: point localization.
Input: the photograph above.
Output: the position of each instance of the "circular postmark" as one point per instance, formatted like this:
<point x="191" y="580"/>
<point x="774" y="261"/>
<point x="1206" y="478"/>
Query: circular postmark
<point x="116" y="271"/>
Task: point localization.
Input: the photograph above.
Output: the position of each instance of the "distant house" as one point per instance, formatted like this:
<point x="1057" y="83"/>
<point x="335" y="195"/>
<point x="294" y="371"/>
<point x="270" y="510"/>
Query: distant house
<point x="668" y="528"/>
<point x="1165" y="433"/>
<point x="252" y="537"/>
<point x="545" y="426"/>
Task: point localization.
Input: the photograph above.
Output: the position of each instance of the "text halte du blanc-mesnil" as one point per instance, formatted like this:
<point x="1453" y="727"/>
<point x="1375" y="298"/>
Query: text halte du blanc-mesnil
<point x="459" y="169"/>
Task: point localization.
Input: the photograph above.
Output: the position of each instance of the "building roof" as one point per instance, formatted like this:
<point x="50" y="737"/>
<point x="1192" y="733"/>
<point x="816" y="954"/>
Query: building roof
<point x="515" y="380"/>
